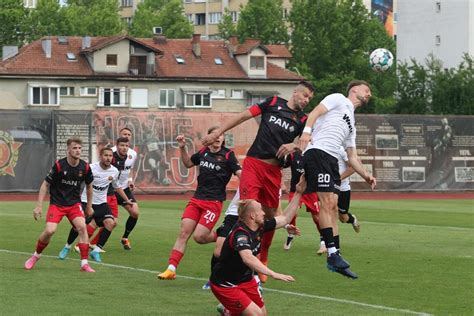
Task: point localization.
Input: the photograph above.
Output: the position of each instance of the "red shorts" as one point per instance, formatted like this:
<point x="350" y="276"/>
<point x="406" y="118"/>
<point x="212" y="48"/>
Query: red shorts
<point x="56" y="213"/>
<point x="260" y="181"/>
<point x="203" y="212"/>
<point x="237" y="299"/>
<point x="112" y="202"/>
<point x="310" y="200"/>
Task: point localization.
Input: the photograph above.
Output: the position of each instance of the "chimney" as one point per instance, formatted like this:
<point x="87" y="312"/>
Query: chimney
<point x="159" y="39"/>
<point x="9" y="51"/>
<point x="86" y="42"/>
<point x="46" y="44"/>
<point x="196" y="41"/>
<point x="232" y="45"/>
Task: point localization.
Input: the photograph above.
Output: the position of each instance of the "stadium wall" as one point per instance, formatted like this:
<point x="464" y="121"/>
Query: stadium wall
<point x="404" y="152"/>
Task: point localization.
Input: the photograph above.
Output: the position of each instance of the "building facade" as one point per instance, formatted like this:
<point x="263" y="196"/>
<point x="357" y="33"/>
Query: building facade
<point x="444" y="28"/>
<point x="84" y="73"/>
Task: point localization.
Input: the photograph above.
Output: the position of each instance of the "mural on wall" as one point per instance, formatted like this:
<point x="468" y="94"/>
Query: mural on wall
<point x="383" y="9"/>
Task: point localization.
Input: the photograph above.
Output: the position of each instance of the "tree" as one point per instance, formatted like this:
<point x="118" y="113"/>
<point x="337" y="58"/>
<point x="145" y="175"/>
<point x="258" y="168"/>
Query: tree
<point x="94" y="18"/>
<point x="14" y="17"/>
<point x="169" y="14"/>
<point x="263" y="19"/>
<point x="48" y="18"/>
<point x="431" y="89"/>
<point x="226" y="26"/>
<point x="331" y="43"/>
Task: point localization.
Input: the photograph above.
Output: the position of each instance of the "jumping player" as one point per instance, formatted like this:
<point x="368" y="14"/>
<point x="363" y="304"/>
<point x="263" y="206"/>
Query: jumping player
<point x="281" y="122"/>
<point x="64" y="183"/>
<point x="216" y="166"/>
<point x="104" y="175"/>
<point x="232" y="280"/>
<point x="331" y="125"/>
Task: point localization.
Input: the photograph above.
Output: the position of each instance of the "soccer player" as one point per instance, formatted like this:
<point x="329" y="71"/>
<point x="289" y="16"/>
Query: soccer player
<point x="331" y="125"/>
<point x="64" y="183"/>
<point x="104" y="175"/>
<point x="310" y="200"/>
<point x="124" y="161"/>
<point x="281" y="122"/>
<point x="216" y="166"/>
<point x="232" y="280"/>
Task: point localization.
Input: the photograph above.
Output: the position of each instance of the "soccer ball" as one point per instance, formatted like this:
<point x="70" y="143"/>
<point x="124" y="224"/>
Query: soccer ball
<point x="381" y="60"/>
<point x="166" y="181"/>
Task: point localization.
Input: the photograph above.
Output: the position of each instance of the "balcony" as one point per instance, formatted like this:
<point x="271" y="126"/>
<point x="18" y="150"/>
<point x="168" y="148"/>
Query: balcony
<point x="142" y="70"/>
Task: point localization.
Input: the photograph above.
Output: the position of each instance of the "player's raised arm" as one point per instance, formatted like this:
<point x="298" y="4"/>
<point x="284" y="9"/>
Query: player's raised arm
<point x="305" y="137"/>
<point x="184" y="154"/>
<point x="233" y="122"/>
<point x="359" y="168"/>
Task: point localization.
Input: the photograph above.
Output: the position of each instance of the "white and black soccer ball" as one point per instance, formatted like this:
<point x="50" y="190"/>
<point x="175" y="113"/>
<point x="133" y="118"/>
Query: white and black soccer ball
<point x="166" y="181"/>
<point x="381" y="60"/>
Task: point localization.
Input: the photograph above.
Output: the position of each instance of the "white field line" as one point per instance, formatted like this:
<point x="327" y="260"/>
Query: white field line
<point x="324" y="298"/>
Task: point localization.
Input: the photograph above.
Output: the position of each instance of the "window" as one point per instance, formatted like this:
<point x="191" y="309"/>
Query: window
<point x="215" y="17"/>
<point x="190" y="17"/>
<point x="139" y="98"/>
<point x="218" y="61"/>
<point x="237" y="94"/>
<point x="218" y="94"/>
<point x="197" y="100"/>
<point x="257" y="62"/>
<point x="200" y="19"/>
<point x="127" y="3"/>
<point x="112" y="96"/>
<point x="188" y="1"/>
<point x="438" y="6"/>
<point x="235" y="16"/>
<point x="44" y="95"/>
<point x="111" y="59"/>
<point x="66" y="91"/>
<point x="255" y="98"/>
<point x="179" y="59"/>
<point x="167" y="98"/>
<point x="88" y="91"/>
<point x="71" y="56"/>
<point x="285" y="13"/>
<point x="438" y="40"/>
<point x="127" y="21"/>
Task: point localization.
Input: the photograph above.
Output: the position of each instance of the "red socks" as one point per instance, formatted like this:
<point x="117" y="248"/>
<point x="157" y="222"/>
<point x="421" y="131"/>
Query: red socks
<point x="90" y="230"/>
<point x="97" y="236"/>
<point x="40" y="246"/>
<point x="84" y="249"/>
<point x="175" y="257"/>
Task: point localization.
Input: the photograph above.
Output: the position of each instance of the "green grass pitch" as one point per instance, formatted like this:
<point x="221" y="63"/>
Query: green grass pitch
<point x="412" y="257"/>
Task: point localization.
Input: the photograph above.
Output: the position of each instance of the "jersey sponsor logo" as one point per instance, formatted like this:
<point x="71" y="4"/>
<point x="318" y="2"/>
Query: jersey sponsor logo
<point x="347" y="119"/>
<point x="69" y="182"/>
<point x="110" y="178"/>
<point x="207" y="164"/>
<point x="300" y="170"/>
<point x="95" y="187"/>
<point x="8" y="154"/>
<point x="79" y="174"/>
<point x="281" y="123"/>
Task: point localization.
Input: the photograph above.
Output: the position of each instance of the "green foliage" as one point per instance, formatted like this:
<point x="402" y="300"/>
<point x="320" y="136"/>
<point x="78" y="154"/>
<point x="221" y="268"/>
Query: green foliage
<point x="48" y="18"/>
<point x="263" y="19"/>
<point x="13" y="17"/>
<point x="226" y="26"/>
<point x="168" y="14"/>
<point x="431" y="89"/>
<point x="331" y="43"/>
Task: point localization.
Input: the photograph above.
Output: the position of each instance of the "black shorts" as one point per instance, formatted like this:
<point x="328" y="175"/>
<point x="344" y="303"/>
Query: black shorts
<point x="128" y="193"/>
<point x="101" y="212"/>
<point x="321" y="171"/>
<point x="344" y="201"/>
<point x="226" y="227"/>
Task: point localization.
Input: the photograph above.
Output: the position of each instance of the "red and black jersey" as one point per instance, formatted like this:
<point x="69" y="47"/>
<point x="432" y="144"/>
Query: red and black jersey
<point x="215" y="171"/>
<point x="297" y="169"/>
<point x="230" y="270"/>
<point x="279" y="125"/>
<point x="65" y="182"/>
<point x="119" y="163"/>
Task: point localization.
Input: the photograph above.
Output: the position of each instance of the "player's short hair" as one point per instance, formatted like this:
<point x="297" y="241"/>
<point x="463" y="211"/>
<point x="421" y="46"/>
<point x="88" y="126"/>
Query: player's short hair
<point x="74" y="139"/>
<point x="212" y="129"/>
<point x="244" y="206"/>
<point x="122" y="140"/>
<point x="307" y="85"/>
<point x="355" y="83"/>
<point x="104" y="149"/>
<point x="126" y="129"/>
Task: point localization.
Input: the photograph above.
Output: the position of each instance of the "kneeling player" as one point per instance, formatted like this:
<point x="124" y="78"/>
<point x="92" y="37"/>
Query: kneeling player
<point x="104" y="175"/>
<point x="232" y="280"/>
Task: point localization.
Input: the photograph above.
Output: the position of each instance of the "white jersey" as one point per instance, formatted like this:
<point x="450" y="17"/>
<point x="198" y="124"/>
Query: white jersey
<point x="129" y="163"/>
<point x="335" y="128"/>
<point x="233" y="208"/>
<point x="342" y="160"/>
<point x="102" y="179"/>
